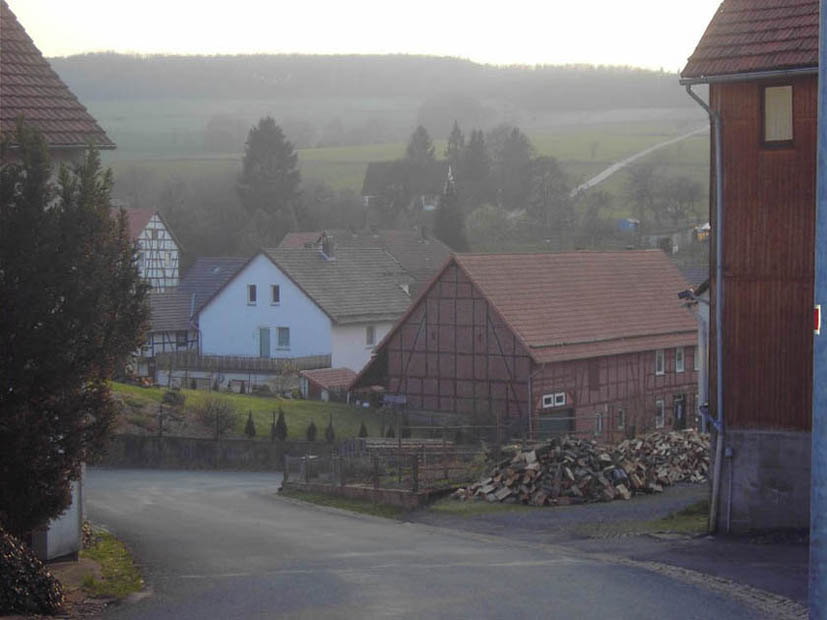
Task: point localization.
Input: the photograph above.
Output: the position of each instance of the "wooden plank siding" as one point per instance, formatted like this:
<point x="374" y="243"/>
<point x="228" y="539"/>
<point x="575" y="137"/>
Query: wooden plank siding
<point x="769" y="211"/>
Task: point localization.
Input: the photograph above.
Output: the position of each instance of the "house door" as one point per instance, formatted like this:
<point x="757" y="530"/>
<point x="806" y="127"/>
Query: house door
<point x="679" y="411"/>
<point x="264" y="342"/>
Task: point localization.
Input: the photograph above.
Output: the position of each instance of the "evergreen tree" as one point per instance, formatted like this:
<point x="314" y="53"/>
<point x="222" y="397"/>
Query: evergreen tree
<point x="250" y="427"/>
<point x="268" y="185"/>
<point x="329" y="433"/>
<point x="474" y="174"/>
<point x="512" y="155"/>
<point x="455" y="148"/>
<point x="73" y="311"/>
<point x="390" y="433"/>
<point x="363" y="430"/>
<point x="420" y="149"/>
<point x="312" y="431"/>
<point x="280" y="429"/>
<point x="448" y="224"/>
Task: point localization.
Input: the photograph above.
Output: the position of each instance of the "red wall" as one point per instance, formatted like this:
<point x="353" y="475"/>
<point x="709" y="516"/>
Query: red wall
<point x="769" y="211"/>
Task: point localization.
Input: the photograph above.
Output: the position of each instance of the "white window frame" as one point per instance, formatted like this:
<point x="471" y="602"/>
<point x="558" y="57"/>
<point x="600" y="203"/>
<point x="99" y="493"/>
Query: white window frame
<point x="279" y="345"/>
<point x="778" y="126"/>
<point x="555" y="399"/>
<point x="660" y="414"/>
<point x="621" y="419"/>
<point x="252" y="294"/>
<point x="370" y="335"/>
<point x="275" y="295"/>
<point x="680" y="359"/>
<point x="660" y="362"/>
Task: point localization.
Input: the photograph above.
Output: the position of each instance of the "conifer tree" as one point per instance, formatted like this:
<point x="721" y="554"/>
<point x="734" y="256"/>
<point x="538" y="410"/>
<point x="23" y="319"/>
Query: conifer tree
<point x="312" y="431"/>
<point x="280" y="429"/>
<point x="448" y="224"/>
<point x="250" y="427"/>
<point x="363" y="430"/>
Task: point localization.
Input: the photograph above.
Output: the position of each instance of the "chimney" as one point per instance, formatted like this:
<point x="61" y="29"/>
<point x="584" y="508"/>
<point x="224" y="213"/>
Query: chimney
<point x="327" y="248"/>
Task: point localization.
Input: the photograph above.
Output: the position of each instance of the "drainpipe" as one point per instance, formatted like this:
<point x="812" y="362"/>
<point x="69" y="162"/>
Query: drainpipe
<point x="715" y="121"/>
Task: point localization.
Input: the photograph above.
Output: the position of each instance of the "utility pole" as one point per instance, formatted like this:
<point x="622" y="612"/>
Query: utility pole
<point x="818" y="479"/>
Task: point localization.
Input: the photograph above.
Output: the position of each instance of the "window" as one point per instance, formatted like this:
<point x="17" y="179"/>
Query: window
<point x="778" y="115"/>
<point x="284" y="337"/>
<point x="660" y="362"/>
<point x="370" y="335"/>
<point x="660" y="414"/>
<point x="598" y="424"/>
<point x="275" y="295"/>
<point x="181" y="339"/>
<point x="679" y="362"/>
<point x="167" y="260"/>
<point x="251" y="294"/>
<point x="558" y="399"/>
<point x="621" y="419"/>
<point x="697" y="360"/>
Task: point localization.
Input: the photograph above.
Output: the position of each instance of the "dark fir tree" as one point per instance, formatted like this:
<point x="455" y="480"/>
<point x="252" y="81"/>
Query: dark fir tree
<point x="474" y="174"/>
<point x="73" y="310"/>
<point x="280" y="429"/>
<point x="329" y="433"/>
<point x="420" y="149"/>
<point x="455" y="147"/>
<point x="363" y="430"/>
<point x="312" y="431"/>
<point x="448" y="224"/>
<point x="250" y="427"/>
<point x="512" y="155"/>
<point x="390" y="434"/>
<point x="268" y="185"/>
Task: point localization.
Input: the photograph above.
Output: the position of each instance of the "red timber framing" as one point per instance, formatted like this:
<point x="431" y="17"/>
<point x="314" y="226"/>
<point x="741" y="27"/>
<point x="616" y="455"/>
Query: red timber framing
<point x="454" y="352"/>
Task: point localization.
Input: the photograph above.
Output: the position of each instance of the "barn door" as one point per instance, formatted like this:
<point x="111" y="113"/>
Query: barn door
<point x="264" y="342"/>
<point x="679" y="411"/>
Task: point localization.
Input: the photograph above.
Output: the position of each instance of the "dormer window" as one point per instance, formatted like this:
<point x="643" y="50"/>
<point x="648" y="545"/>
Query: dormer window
<point x="777" y="104"/>
<point x="251" y="294"/>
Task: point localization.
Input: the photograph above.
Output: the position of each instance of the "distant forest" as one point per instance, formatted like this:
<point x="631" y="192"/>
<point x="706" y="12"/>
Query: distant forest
<point x="345" y="100"/>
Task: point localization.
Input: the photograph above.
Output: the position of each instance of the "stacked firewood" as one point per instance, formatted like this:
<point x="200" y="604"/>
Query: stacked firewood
<point x="569" y="470"/>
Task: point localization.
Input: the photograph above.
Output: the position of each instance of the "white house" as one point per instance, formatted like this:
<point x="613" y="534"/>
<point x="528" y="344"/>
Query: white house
<point x="298" y="303"/>
<point x="158" y="249"/>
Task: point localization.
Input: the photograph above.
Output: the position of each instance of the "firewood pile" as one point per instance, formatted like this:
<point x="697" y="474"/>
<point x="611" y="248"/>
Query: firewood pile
<point x="570" y="470"/>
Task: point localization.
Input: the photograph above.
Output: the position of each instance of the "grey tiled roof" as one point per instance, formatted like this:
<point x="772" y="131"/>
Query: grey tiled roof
<point x="207" y="275"/>
<point x="360" y="285"/>
<point x="171" y="311"/>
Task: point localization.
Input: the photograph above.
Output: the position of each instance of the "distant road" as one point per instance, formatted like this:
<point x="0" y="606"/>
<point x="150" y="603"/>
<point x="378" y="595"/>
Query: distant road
<point x="625" y="162"/>
<point x="222" y="545"/>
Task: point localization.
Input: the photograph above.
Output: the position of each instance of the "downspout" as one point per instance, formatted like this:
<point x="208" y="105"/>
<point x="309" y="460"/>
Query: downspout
<point x="715" y="121"/>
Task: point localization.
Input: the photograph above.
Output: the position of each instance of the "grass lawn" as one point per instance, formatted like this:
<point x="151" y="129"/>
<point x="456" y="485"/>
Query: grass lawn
<point x="119" y="575"/>
<point x="297" y="413"/>
<point x="692" y="520"/>
<point x="354" y="505"/>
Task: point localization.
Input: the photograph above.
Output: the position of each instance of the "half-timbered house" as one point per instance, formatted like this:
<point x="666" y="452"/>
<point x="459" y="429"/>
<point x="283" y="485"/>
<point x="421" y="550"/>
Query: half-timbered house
<point x="159" y="252"/>
<point x="579" y="342"/>
<point x="760" y="62"/>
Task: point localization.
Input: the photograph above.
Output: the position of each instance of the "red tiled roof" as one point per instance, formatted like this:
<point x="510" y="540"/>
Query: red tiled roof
<point x="138" y="219"/>
<point x="330" y="378"/>
<point x="29" y="87"/>
<point x="752" y="36"/>
<point x="575" y="305"/>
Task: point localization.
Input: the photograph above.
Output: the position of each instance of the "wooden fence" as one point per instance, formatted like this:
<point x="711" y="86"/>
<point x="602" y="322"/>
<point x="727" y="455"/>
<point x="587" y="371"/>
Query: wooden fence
<point x="191" y="360"/>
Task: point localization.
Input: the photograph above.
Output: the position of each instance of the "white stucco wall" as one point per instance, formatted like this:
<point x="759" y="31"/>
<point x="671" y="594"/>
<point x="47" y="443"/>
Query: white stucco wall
<point x="230" y="326"/>
<point x="349" y="345"/>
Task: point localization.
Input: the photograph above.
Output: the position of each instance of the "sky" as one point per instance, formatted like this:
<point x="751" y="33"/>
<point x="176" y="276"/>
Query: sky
<point x="655" y="34"/>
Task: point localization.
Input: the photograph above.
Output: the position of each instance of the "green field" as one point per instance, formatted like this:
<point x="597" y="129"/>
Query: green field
<point x="297" y="413"/>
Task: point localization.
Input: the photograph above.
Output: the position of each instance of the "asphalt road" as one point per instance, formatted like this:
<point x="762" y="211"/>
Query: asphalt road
<point x="223" y="545"/>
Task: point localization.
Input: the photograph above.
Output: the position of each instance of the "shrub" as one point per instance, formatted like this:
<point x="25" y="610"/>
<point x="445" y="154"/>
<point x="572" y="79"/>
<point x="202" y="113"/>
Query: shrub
<point x="218" y="415"/>
<point x="391" y="434"/>
<point x="27" y="587"/>
<point x="216" y="386"/>
<point x="173" y="398"/>
<point x="279" y="430"/>
<point x="262" y="389"/>
<point x="363" y="430"/>
<point x="329" y="433"/>
<point x="193" y="384"/>
<point x="311" y="431"/>
<point x="250" y="427"/>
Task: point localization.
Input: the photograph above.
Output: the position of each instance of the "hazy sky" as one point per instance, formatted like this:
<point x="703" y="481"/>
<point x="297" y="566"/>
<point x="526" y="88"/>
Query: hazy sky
<point x="646" y="33"/>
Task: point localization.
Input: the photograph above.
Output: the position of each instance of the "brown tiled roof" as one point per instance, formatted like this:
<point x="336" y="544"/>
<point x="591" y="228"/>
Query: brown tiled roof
<point x="330" y="378"/>
<point x="30" y="88"/>
<point x="171" y="311"/>
<point x="420" y="256"/>
<point x="753" y="36"/>
<point x="138" y="219"/>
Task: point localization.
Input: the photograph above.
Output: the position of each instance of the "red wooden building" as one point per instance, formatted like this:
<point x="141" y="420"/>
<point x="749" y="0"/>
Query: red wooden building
<point x="586" y="342"/>
<point x="760" y="60"/>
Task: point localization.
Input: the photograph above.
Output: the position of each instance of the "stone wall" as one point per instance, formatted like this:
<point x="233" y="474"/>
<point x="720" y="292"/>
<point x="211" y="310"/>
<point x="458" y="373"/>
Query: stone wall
<point x="153" y="452"/>
<point x="392" y="497"/>
<point x="770" y="473"/>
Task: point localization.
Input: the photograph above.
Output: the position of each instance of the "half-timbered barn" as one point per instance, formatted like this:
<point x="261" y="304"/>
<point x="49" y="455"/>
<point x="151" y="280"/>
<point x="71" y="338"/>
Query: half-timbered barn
<point x="580" y="342"/>
<point x="159" y="252"/>
<point x="760" y="62"/>
<point x="31" y="90"/>
<point x="171" y="329"/>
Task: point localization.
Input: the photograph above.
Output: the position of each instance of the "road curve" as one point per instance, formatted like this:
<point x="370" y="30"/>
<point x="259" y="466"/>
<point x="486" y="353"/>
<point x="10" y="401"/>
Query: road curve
<point x="223" y="545"/>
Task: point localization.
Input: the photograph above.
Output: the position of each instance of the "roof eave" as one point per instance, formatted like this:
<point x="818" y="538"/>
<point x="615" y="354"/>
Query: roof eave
<point x="748" y="76"/>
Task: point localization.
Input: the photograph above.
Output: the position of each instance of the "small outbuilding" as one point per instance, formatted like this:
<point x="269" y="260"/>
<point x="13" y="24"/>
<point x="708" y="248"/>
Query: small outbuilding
<point x="326" y="383"/>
